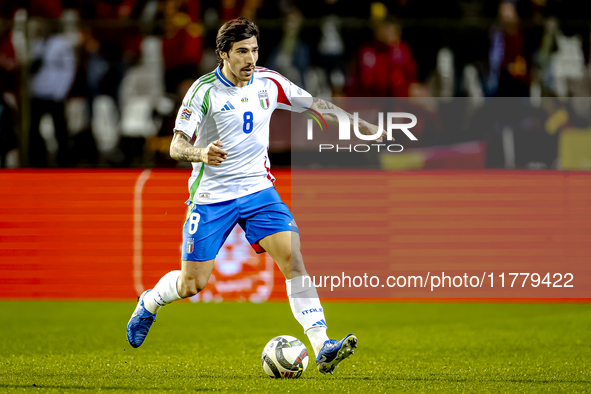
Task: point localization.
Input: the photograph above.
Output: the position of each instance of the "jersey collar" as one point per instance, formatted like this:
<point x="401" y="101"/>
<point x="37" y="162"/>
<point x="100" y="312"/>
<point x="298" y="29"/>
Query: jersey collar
<point x="225" y="81"/>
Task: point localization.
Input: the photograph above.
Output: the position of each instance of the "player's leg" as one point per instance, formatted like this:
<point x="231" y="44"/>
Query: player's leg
<point x="176" y="285"/>
<point x="284" y="248"/>
<point x="269" y="226"/>
<point x="204" y="232"/>
<point x="173" y="286"/>
<point x="194" y="277"/>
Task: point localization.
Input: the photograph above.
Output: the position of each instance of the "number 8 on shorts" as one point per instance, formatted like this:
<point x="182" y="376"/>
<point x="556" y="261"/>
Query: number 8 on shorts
<point x="194" y="222"/>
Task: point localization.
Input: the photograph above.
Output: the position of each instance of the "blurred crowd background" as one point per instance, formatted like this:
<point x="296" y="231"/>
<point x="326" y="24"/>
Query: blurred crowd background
<point x="89" y="83"/>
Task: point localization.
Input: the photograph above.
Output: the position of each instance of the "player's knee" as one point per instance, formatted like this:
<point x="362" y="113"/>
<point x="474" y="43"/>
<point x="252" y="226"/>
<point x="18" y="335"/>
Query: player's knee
<point x="297" y="264"/>
<point x="298" y="271"/>
<point x="200" y="285"/>
<point x="191" y="291"/>
<point x="191" y="286"/>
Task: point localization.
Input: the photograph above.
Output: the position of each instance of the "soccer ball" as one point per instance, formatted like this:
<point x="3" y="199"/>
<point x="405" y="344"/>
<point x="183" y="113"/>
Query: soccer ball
<point x="285" y="357"/>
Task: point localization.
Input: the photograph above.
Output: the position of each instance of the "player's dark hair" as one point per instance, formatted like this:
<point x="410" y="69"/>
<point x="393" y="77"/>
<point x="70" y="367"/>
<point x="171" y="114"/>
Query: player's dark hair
<point x="233" y="31"/>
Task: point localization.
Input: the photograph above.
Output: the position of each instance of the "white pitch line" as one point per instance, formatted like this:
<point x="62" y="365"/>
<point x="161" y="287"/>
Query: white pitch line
<point x="137" y="230"/>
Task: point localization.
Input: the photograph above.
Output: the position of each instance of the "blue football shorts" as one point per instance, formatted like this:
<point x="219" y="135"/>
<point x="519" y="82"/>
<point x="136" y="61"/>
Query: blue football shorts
<point x="207" y="226"/>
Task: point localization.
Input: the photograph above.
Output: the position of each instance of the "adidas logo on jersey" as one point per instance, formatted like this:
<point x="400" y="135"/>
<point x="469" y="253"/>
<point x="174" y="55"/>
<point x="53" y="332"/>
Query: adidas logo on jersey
<point x="228" y="107"/>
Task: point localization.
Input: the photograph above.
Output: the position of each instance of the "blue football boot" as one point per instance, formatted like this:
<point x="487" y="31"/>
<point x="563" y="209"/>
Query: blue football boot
<point x="140" y="323"/>
<point x="333" y="352"/>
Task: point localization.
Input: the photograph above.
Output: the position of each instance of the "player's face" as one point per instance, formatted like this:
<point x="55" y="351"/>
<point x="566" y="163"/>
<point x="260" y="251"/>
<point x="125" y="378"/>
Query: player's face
<point x="242" y="58"/>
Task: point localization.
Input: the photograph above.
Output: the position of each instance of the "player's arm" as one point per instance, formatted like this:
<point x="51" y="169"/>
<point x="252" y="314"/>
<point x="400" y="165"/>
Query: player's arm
<point x="181" y="149"/>
<point x="366" y="128"/>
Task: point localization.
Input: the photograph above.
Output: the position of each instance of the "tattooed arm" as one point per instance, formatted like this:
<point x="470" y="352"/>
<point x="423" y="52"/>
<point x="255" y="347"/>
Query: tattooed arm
<point x="181" y="149"/>
<point x="364" y="127"/>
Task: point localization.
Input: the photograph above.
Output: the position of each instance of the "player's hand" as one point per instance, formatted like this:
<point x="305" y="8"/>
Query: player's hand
<point x="214" y="155"/>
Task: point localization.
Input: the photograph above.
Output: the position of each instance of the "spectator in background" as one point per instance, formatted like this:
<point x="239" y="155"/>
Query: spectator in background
<point x="331" y="49"/>
<point x="8" y="90"/>
<point x="560" y="63"/>
<point x="140" y="101"/>
<point x="182" y="52"/>
<point x="250" y="8"/>
<point x="387" y="67"/>
<point x="45" y="8"/>
<point x="545" y="54"/>
<point x="109" y="46"/>
<point x="112" y="48"/>
<point x="53" y="69"/>
<point x="182" y="45"/>
<point x="291" y="57"/>
<point x="230" y="9"/>
<point x="508" y="65"/>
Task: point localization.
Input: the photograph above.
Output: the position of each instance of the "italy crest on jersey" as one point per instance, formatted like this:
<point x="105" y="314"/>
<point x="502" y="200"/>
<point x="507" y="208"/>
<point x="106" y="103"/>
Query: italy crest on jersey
<point x="264" y="99"/>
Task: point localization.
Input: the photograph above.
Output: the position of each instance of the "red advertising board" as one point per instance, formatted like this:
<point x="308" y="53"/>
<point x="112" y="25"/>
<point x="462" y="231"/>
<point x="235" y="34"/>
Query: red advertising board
<point x="109" y="234"/>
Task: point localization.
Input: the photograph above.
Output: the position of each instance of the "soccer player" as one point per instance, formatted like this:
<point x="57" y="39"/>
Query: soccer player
<point x="226" y="113"/>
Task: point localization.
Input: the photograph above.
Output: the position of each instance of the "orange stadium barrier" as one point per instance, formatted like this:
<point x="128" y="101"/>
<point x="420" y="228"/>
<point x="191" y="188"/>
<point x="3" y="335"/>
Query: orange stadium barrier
<point x="480" y="223"/>
<point x="109" y="234"/>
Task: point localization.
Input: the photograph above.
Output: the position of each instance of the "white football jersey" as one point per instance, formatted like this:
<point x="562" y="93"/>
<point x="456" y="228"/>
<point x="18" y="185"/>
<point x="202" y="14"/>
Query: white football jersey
<point x="215" y="109"/>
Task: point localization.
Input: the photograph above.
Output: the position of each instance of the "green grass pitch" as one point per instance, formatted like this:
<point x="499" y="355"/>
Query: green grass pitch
<point x="403" y="347"/>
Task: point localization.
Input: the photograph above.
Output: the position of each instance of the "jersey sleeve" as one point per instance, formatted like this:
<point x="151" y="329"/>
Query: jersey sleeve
<point x="289" y="95"/>
<point x="300" y="99"/>
<point x="194" y="108"/>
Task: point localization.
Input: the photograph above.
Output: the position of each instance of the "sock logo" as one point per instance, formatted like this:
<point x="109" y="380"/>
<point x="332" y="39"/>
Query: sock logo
<point x="319" y="323"/>
<point x="159" y="300"/>
<point x="311" y="310"/>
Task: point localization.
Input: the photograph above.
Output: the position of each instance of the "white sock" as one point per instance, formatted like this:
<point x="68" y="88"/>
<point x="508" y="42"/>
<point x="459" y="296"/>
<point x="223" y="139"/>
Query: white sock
<point x="306" y="308"/>
<point x="163" y="293"/>
<point x="317" y="337"/>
